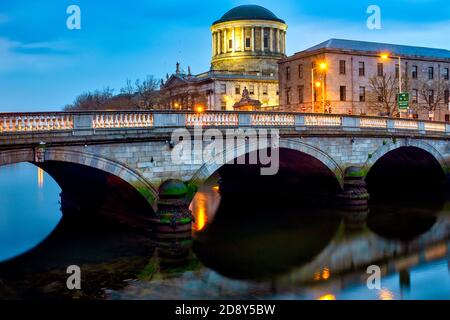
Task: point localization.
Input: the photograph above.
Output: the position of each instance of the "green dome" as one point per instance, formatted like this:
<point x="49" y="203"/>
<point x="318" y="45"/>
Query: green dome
<point x="249" y="12"/>
<point x="173" y="189"/>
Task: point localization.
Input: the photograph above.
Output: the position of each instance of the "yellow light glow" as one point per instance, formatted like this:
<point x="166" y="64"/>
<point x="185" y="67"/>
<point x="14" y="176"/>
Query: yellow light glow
<point x="327" y="297"/>
<point x="385" y="294"/>
<point x="200" y="219"/>
<point x="318" y="84"/>
<point x="385" y="56"/>
<point x="323" y="66"/>
<point x="40" y="178"/>
<point x="199" y="109"/>
<point x="215" y="188"/>
<point x="326" y="274"/>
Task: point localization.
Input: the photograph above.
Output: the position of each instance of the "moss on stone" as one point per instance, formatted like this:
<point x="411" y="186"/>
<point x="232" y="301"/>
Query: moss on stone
<point x="173" y="188"/>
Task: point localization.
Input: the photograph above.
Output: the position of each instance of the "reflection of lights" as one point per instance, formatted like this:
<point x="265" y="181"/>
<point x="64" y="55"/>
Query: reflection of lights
<point x="40" y="178"/>
<point x="215" y="188"/>
<point x="385" y="294"/>
<point x="327" y="297"/>
<point x="326" y="274"/>
<point x="201" y="219"/>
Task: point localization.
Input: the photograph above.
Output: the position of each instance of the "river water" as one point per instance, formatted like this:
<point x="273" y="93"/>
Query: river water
<point x="240" y="248"/>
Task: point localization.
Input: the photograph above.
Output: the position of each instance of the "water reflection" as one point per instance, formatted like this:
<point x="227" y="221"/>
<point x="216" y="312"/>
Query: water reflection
<point x="28" y="210"/>
<point x="240" y="248"/>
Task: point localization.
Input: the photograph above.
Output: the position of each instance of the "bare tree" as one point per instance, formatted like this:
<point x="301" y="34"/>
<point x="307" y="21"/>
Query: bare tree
<point x="382" y="94"/>
<point x="433" y="93"/>
<point x="89" y="101"/>
<point x="148" y="92"/>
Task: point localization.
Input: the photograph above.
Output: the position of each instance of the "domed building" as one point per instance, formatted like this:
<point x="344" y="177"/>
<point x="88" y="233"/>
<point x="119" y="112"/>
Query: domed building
<point x="247" y="43"/>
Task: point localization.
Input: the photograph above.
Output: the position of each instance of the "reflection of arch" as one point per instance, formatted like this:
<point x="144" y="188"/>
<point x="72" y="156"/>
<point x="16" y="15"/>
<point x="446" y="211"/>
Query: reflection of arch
<point x="210" y="167"/>
<point x="382" y="151"/>
<point x="115" y="168"/>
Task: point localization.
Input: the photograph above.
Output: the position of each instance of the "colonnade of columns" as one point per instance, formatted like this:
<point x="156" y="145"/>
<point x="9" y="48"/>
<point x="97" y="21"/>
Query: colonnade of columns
<point x="244" y="39"/>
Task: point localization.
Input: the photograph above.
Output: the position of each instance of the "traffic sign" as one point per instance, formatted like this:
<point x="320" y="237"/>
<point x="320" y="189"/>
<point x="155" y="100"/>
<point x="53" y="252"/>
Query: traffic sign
<point x="403" y="100"/>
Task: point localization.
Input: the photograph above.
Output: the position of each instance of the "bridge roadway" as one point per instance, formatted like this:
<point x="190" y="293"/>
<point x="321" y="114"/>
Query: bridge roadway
<point x="136" y="146"/>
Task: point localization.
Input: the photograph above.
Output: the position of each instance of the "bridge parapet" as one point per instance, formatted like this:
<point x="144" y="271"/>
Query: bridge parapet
<point x="90" y="122"/>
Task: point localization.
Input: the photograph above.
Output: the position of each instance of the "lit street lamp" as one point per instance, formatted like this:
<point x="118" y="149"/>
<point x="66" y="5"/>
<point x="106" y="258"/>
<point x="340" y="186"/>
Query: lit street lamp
<point x="323" y="67"/>
<point x="387" y="56"/>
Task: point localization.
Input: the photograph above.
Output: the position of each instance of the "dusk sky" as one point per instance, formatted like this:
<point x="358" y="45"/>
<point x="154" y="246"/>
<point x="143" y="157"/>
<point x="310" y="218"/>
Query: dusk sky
<point x="44" y="66"/>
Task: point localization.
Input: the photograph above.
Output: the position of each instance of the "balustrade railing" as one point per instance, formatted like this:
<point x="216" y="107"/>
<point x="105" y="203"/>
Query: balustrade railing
<point x="32" y="122"/>
<point x="372" y="123"/>
<point x="431" y="126"/>
<point x="272" y="120"/>
<point x="90" y="122"/>
<point x="212" y="119"/>
<point x="406" y="124"/>
<point x="122" y="120"/>
<point x="323" y="121"/>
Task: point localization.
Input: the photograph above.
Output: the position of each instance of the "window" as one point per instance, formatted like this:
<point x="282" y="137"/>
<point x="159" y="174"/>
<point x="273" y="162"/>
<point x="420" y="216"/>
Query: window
<point x="223" y="105"/>
<point x="248" y="43"/>
<point x="414" y="72"/>
<point x="265" y="90"/>
<point x="446" y="97"/>
<point x="381" y="96"/>
<point x="223" y="88"/>
<point x="230" y="44"/>
<point x="362" y="69"/>
<point x="300" y="94"/>
<point x="288" y="73"/>
<point x="397" y="71"/>
<point x="430" y="73"/>
<point x="415" y="96"/>
<point x="343" y="93"/>
<point x="430" y="96"/>
<point x="251" y="89"/>
<point x="288" y="96"/>
<point x="300" y="71"/>
<point x="380" y="69"/>
<point x="237" y="89"/>
<point x="362" y="94"/>
<point x="446" y="74"/>
<point x="342" y="67"/>
<point x="266" y="39"/>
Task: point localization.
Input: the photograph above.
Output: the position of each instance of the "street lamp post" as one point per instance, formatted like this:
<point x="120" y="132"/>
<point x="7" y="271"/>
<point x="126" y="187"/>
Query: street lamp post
<point x="322" y="66"/>
<point x="386" y="56"/>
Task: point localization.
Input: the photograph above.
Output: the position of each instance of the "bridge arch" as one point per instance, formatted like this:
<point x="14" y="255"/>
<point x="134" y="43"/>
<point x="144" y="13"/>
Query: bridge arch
<point x="210" y="167"/>
<point x="133" y="178"/>
<point x="385" y="149"/>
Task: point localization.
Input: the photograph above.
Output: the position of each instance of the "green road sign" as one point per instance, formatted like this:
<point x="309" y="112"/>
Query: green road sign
<point x="403" y="100"/>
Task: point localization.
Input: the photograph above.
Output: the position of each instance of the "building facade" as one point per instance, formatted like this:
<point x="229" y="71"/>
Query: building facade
<point x="247" y="44"/>
<point x="355" y="77"/>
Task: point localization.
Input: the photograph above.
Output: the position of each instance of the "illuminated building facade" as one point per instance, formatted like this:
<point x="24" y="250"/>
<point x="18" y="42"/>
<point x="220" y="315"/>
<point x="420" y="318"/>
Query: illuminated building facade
<point x="247" y="43"/>
<point x="352" y="69"/>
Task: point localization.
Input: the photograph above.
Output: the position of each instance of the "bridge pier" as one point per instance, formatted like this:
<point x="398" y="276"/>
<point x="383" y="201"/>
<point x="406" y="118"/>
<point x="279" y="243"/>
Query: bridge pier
<point x="354" y="200"/>
<point x="173" y="215"/>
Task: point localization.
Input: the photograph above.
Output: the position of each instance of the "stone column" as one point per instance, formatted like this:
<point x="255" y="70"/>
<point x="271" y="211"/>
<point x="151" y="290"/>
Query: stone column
<point x="262" y="39"/>
<point x="270" y="39"/>
<point x="252" y="42"/>
<point x="243" y="39"/>
<point x="224" y="42"/>
<point x="214" y="44"/>
<point x="277" y="40"/>
<point x="233" y="36"/>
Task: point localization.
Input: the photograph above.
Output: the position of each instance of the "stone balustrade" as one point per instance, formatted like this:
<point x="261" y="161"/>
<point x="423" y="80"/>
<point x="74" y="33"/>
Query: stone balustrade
<point x="92" y="122"/>
<point x="36" y="122"/>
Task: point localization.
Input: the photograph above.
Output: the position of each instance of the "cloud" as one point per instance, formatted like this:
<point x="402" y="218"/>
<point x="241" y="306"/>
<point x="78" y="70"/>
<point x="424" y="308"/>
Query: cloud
<point x="16" y="56"/>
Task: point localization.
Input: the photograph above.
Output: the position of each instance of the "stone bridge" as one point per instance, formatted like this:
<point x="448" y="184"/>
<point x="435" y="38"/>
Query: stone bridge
<point x="133" y="150"/>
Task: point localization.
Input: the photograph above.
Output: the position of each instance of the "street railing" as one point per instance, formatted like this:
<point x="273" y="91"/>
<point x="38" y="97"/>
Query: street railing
<point x="91" y="122"/>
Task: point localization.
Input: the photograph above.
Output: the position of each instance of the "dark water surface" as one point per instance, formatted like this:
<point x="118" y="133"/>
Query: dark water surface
<point x="240" y="248"/>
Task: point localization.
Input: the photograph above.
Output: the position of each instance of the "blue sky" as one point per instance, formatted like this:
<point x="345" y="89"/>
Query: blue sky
<point x="43" y="65"/>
